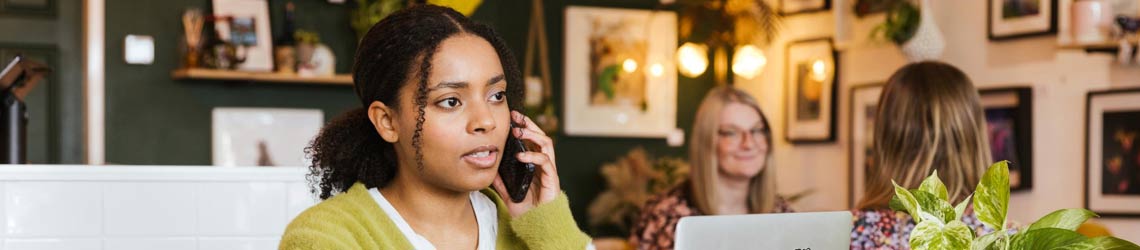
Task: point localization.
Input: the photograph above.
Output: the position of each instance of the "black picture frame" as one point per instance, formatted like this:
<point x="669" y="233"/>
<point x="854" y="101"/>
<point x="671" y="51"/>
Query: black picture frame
<point x="823" y="6"/>
<point x="47" y="9"/>
<point x="990" y="22"/>
<point x="830" y="94"/>
<point x="859" y="96"/>
<point x="1020" y="113"/>
<point x="1094" y="201"/>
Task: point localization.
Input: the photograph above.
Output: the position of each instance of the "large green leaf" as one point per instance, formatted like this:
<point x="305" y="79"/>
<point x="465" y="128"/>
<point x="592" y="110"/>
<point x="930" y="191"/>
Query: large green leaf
<point x="933" y="234"/>
<point x="960" y="209"/>
<point x="907" y="200"/>
<point x="991" y="199"/>
<point x="1101" y="243"/>
<point x="1045" y="238"/>
<point x="930" y="203"/>
<point x="896" y="204"/>
<point x="985" y="242"/>
<point x="1068" y="219"/>
<point x="933" y="185"/>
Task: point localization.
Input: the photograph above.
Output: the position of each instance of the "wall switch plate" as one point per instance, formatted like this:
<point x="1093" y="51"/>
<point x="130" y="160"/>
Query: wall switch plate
<point x="138" y="49"/>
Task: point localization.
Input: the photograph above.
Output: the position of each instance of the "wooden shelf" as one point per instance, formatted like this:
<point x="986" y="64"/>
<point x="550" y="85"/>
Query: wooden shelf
<point x="213" y="74"/>
<point x="1110" y="46"/>
<point x="1092" y="46"/>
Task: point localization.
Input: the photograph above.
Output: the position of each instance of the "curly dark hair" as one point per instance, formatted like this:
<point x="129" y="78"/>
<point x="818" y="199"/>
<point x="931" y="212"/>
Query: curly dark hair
<point x="348" y="149"/>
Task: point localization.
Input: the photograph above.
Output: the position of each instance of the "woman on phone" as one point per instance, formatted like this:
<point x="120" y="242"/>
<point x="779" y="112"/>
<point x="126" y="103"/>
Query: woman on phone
<point x="416" y="167"/>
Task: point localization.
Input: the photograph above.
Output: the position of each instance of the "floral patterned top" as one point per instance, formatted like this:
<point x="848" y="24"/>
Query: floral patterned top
<point x="658" y="221"/>
<point x="889" y="229"/>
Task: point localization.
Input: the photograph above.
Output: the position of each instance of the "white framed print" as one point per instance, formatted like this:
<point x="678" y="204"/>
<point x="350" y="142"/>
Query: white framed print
<point x="251" y="18"/>
<point x="620" y="79"/>
<point x="263" y="136"/>
<point x="811" y="77"/>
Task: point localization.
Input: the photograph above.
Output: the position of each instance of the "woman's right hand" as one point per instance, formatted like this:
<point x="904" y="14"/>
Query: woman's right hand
<point x="545" y="186"/>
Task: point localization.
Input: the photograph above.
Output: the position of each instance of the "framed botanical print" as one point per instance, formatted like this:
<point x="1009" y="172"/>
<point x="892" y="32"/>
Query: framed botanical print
<point x="864" y="110"/>
<point x="1008" y="19"/>
<point x="1112" y="171"/>
<point x="810" y="78"/>
<point x="620" y="80"/>
<point x="1009" y="126"/>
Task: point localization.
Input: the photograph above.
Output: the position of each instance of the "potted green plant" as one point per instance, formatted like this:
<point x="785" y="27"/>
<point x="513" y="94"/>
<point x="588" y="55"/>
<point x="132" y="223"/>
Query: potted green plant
<point x="939" y="225"/>
<point x="913" y="29"/>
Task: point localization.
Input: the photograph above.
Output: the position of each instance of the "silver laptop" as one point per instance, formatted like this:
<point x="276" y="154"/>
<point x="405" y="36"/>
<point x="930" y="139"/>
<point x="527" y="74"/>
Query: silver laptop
<point x="794" y="231"/>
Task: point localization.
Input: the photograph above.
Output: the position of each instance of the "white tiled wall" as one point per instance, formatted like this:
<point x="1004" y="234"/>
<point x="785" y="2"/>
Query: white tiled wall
<point x="141" y="212"/>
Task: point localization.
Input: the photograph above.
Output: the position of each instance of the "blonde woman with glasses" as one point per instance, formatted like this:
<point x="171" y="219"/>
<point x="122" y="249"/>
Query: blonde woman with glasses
<point x="729" y="155"/>
<point x="931" y="119"/>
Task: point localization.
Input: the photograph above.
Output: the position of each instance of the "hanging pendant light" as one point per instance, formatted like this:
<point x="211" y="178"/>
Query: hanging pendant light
<point x="692" y="59"/>
<point x="748" y="61"/>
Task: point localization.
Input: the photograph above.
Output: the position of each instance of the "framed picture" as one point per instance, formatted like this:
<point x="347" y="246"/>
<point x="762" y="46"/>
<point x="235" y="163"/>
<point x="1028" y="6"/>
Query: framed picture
<point x="864" y="110"/>
<point x="245" y="137"/>
<point x="810" y="76"/>
<point x="1010" y="19"/>
<point x="1112" y="171"/>
<point x="789" y="7"/>
<point x="249" y="29"/>
<point x="37" y="8"/>
<point x="1009" y="126"/>
<point x="620" y="80"/>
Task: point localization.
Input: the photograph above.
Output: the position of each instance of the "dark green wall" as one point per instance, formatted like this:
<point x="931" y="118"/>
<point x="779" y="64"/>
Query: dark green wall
<point x="155" y="120"/>
<point x="152" y="119"/>
<point x="52" y="36"/>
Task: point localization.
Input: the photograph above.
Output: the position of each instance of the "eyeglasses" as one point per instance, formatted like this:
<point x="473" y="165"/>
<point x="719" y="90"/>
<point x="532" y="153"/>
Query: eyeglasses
<point x="735" y="136"/>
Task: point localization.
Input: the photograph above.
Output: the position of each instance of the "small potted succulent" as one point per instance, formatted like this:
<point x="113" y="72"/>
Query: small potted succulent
<point x="939" y="225"/>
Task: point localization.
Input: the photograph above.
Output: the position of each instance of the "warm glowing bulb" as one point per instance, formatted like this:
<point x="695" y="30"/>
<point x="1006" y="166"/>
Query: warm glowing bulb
<point x="629" y="65"/>
<point x="656" y="70"/>
<point x="748" y="61"/>
<point x="692" y="59"/>
<point x="819" y="70"/>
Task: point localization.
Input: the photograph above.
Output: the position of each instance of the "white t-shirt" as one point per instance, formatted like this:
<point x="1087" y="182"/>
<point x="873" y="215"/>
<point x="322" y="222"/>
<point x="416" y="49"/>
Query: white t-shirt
<point x="486" y="216"/>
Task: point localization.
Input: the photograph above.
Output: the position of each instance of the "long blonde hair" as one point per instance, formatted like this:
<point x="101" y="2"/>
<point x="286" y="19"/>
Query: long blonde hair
<point x="703" y="155"/>
<point x="930" y="118"/>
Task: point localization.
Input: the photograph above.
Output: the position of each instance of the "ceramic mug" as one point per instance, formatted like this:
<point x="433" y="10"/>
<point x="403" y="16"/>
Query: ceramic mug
<point x="1091" y="21"/>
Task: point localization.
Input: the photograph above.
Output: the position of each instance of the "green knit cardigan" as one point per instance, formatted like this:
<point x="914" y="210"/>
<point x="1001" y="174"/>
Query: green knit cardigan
<point x="353" y="220"/>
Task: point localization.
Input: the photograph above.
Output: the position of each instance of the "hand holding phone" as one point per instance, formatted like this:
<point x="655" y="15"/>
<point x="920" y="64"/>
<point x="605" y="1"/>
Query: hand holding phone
<point x="516" y="175"/>
<point x="527" y="173"/>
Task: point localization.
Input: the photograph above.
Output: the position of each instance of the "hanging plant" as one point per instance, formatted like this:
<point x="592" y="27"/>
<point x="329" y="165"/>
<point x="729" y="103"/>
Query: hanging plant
<point x="731" y="21"/>
<point x="365" y="13"/>
<point x="901" y="22"/>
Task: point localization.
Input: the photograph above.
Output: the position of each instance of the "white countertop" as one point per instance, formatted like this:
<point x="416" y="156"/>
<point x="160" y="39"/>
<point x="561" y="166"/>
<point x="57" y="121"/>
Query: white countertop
<point x="148" y="173"/>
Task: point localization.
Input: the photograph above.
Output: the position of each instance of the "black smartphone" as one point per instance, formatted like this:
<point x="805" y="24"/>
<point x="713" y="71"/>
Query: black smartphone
<point x="516" y="175"/>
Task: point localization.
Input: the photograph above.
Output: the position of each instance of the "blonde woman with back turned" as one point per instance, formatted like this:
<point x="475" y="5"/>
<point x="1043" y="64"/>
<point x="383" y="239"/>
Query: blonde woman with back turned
<point x="931" y="120"/>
